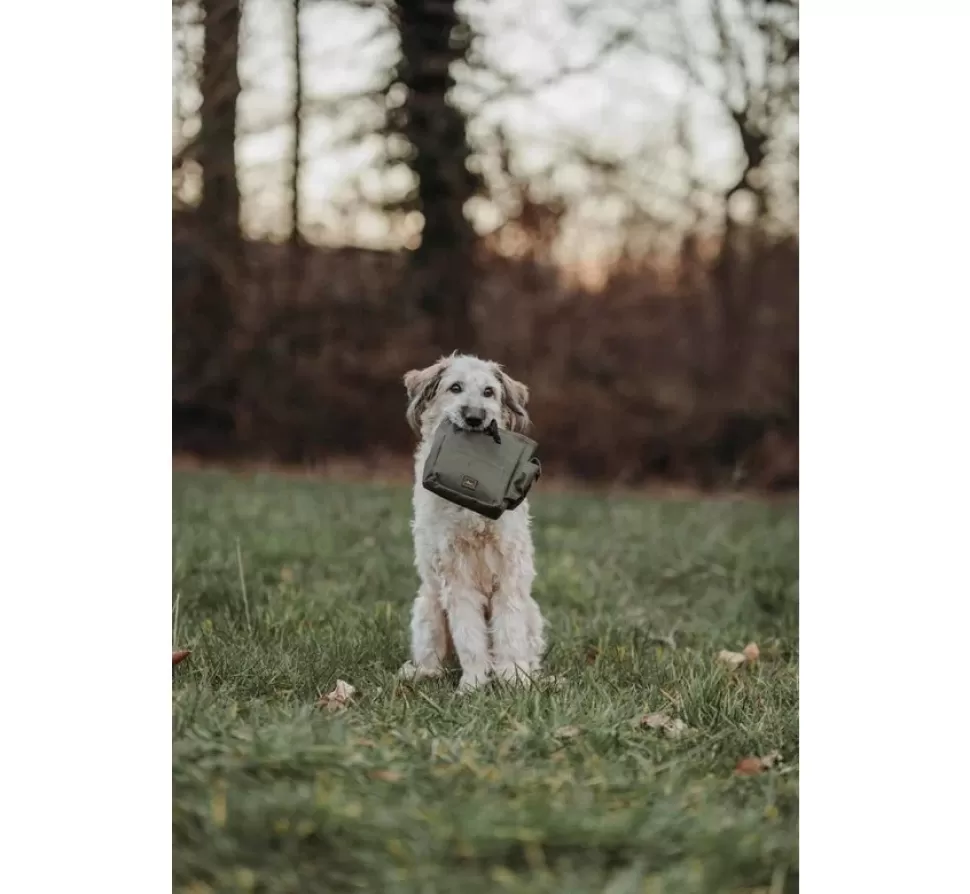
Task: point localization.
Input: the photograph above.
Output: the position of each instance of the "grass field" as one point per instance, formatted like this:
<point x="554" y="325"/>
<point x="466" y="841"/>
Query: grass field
<point x="283" y="586"/>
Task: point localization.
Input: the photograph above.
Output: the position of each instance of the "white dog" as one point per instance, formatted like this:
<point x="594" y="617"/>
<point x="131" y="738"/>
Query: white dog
<point x="476" y="574"/>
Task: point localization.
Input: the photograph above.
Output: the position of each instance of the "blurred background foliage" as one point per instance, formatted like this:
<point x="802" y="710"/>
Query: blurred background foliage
<point x="601" y="195"/>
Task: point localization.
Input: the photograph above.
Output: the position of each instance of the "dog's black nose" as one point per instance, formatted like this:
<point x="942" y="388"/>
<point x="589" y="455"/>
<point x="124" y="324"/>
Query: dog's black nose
<point x="473" y="417"/>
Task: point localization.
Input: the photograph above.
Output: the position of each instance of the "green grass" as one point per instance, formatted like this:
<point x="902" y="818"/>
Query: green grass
<point x="415" y="789"/>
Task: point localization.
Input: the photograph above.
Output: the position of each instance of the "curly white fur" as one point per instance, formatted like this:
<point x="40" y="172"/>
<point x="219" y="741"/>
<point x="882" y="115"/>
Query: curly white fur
<point x="475" y="597"/>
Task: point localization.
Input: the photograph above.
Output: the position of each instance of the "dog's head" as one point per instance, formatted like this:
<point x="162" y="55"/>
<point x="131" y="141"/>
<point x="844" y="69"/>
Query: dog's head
<point x="468" y="391"/>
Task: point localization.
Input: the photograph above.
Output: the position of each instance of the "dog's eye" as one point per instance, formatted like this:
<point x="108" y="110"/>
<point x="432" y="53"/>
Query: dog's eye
<point x="456" y="388"/>
<point x="488" y="392"/>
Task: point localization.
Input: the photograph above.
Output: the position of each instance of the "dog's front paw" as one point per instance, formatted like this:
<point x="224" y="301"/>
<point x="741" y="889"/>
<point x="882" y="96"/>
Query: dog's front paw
<point x="413" y="672"/>
<point x="513" y="674"/>
<point x="472" y="680"/>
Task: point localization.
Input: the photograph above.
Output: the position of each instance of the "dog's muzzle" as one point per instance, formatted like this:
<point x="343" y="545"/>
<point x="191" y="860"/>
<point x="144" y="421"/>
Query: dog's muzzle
<point x="473" y="417"/>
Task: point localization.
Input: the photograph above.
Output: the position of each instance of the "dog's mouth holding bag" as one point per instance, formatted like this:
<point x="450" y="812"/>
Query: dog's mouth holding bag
<point x="490" y="471"/>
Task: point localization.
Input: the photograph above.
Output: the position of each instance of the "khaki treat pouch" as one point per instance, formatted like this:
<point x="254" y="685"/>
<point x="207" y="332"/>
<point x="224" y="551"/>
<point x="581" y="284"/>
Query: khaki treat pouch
<point x="487" y="472"/>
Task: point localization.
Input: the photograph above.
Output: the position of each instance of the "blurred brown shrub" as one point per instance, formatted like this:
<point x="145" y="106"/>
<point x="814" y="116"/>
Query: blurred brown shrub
<point x="630" y="381"/>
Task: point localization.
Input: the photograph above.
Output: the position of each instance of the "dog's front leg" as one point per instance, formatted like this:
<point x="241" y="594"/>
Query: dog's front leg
<point x="517" y="635"/>
<point x="429" y="636"/>
<point x="465" y="608"/>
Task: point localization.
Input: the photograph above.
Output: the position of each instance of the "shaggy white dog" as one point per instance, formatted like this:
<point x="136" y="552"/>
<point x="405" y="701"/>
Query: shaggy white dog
<point x="475" y="597"/>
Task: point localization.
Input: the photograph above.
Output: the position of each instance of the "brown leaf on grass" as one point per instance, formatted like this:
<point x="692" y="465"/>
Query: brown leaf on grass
<point x="654" y="721"/>
<point x="180" y="656"/>
<point x="734" y="660"/>
<point x="731" y="660"/>
<point x="770" y="759"/>
<point x="386" y="775"/>
<point x="338" y="697"/>
<point x="752" y="766"/>
<point x="567" y="732"/>
<point x="672" y="727"/>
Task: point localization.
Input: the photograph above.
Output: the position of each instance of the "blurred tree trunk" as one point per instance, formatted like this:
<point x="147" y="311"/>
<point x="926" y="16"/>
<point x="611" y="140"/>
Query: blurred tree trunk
<point x="212" y="315"/>
<point x="756" y="49"/>
<point x="220" y="91"/>
<point x="296" y="161"/>
<point x="744" y="100"/>
<point x="298" y="93"/>
<point x="432" y="38"/>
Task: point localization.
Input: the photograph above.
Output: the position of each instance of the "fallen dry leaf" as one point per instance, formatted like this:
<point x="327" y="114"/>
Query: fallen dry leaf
<point x="179" y="656"/>
<point x="386" y="775"/>
<point x="751" y="652"/>
<point x="567" y="732"/>
<point x="672" y="727"/>
<point x="731" y="660"/>
<point x="337" y="699"/>
<point x="770" y="759"/>
<point x="676" y="728"/>
<point x="654" y="721"/>
<point x="752" y="766"/>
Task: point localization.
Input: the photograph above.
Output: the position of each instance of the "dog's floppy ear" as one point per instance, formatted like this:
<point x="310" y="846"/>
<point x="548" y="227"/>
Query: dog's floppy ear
<point x="422" y="385"/>
<point x="515" y="396"/>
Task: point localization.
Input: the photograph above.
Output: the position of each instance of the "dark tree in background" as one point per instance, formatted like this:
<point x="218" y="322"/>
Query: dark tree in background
<point x="432" y="38"/>
<point x="219" y="208"/>
<point x="767" y="31"/>
<point x="296" y="158"/>
<point x="751" y="70"/>
<point x="205" y="385"/>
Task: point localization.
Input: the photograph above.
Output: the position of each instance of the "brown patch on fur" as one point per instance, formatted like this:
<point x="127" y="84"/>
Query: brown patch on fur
<point x="422" y="386"/>
<point x="450" y="656"/>
<point x="515" y="396"/>
<point x="468" y="552"/>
